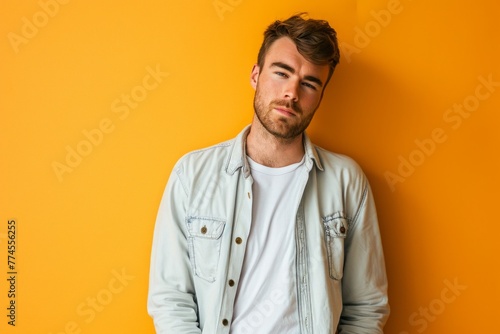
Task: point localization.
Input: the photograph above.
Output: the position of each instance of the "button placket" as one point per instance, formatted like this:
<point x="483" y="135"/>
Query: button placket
<point x="240" y="231"/>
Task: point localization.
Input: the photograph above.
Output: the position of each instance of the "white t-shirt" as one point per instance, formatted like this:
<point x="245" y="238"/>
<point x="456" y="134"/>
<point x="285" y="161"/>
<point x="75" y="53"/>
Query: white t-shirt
<point x="266" y="300"/>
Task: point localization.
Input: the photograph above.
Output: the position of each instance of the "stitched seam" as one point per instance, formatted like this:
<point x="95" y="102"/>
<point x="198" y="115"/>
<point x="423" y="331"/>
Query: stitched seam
<point x="361" y="204"/>
<point x="337" y="215"/>
<point x="184" y="186"/>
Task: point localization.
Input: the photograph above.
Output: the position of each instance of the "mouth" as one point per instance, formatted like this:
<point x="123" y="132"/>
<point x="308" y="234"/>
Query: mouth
<point x="285" y="111"/>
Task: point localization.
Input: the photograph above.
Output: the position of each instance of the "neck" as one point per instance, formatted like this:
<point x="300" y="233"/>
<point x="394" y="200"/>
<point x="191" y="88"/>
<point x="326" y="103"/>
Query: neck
<point x="269" y="150"/>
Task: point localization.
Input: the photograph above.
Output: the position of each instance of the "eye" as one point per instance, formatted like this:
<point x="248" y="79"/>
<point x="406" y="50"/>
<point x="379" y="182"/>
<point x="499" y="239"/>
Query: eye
<point x="281" y="74"/>
<point x="309" y="85"/>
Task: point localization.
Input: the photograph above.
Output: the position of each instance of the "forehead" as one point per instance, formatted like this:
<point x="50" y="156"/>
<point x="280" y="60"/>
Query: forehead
<point x="285" y="51"/>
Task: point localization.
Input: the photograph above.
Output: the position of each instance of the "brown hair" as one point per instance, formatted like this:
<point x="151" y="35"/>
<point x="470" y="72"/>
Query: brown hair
<point x="315" y="40"/>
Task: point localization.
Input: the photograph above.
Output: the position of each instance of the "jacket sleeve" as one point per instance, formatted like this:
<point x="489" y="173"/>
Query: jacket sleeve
<point x="364" y="284"/>
<point x="171" y="297"/>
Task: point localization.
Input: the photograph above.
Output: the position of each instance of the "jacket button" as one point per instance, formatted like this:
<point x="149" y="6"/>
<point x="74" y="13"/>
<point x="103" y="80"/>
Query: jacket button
<point x="225" y="322"/>
<point x="238" y="240"/>
<point x="231" y="282"/>
<point x="342" y="229"/>
<point x="204" y="230"/>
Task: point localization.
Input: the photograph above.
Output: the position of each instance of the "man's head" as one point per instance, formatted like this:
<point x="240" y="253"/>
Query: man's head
<point x="295" y="62"/>
<point x="315" y="40"/>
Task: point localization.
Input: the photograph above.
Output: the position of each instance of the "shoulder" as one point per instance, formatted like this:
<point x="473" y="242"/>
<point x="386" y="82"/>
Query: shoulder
<point x="205" y="157"/>
<point x="338" y="163"/>
<point x="342" y="173"/>
<point x="343" y="176"/>
<point x="214" y="158"/>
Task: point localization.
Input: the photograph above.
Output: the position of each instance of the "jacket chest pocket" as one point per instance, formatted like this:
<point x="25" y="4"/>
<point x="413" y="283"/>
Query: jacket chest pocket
<point x="204" y="244"/>
<point x="335" y="234"/>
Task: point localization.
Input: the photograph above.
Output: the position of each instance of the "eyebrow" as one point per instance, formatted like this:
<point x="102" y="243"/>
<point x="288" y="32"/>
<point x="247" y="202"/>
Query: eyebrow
<point x="291" y="70"/>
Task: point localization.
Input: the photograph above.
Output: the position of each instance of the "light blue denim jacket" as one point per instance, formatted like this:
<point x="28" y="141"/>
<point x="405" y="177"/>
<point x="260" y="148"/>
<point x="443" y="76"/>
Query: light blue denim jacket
<point x="203" y="224"/>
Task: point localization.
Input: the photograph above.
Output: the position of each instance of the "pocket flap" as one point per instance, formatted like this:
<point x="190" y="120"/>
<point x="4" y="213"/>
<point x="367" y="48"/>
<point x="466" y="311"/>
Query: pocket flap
<point x="208" y="228"/>
<point x="336" y="227"/>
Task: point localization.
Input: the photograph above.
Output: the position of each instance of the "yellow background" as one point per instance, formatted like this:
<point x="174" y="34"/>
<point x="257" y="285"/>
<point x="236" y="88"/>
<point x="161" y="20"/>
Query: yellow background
<point x="399" y="76"/>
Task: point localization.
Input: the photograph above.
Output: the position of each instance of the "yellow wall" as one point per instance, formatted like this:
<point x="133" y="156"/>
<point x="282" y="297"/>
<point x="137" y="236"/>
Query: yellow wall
<point x="415" y="101"/>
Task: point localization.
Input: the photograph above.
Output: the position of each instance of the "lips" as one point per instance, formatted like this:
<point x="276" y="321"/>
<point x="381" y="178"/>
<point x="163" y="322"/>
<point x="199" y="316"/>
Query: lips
<point x="285" y="111"/>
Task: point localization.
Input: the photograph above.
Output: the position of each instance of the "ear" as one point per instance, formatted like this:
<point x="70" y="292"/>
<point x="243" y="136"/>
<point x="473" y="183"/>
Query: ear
<point x="254" y="76"/>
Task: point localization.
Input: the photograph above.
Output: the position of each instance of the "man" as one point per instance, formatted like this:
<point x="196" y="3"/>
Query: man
<point x="267" y="233"/>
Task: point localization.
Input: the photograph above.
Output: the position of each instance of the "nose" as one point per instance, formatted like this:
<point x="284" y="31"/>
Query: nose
<point x="291" y="90"/>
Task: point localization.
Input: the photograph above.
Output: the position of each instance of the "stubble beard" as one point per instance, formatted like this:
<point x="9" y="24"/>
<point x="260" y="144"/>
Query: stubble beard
<point x="281" y="128"/>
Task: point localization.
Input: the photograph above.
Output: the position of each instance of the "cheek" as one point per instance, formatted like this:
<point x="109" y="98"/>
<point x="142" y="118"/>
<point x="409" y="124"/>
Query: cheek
<point x="267" y="87"/>
<point x="311" y="101"/>
<point x="266" y="92"/>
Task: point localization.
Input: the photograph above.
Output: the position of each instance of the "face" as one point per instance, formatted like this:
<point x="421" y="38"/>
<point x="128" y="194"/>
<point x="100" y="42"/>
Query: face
<point x="288" y="90"/>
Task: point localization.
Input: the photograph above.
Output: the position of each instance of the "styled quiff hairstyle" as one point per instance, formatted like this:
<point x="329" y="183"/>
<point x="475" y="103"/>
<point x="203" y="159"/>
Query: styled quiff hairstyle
<point x="315" y="40"/>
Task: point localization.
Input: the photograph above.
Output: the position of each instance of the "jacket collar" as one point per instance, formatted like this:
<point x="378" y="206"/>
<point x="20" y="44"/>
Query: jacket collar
<point x="238" y="157"/>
